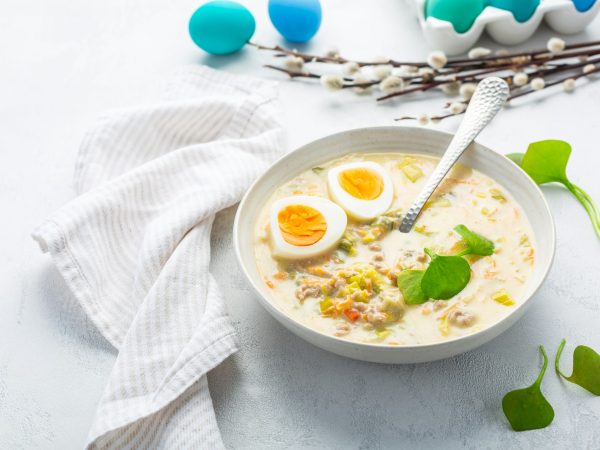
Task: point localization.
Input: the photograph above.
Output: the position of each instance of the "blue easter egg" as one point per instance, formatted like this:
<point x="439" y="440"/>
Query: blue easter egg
<point x="583" y="5"/>
<point x="460" y="13"/>
<point x="220" y="27"/>
<point x="296" y="20"/>
<point x="522" y="10"/>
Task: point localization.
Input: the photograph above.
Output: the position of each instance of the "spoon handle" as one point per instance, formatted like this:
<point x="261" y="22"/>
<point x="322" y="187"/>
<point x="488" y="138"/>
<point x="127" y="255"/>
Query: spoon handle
<point x="489" y="97"/>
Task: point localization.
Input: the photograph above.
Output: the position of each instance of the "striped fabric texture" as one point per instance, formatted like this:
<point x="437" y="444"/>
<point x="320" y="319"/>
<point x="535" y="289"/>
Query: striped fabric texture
<point x="134" y="247"/>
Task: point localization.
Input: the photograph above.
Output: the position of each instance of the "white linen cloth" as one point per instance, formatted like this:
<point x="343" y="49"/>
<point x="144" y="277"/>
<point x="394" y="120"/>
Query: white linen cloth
<point x="134" y="248"/>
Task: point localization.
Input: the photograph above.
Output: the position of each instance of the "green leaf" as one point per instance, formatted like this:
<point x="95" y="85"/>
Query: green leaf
<point x="586" y="367"/>
<point x="475" y="243"/>
<point x="588" y="204"/>
<point x="528" y="409"/>
<point x="445" y="277"/>
<point x="517" y="158"/>
<point x="409" y="283"/>
<point x="546" y="162"/>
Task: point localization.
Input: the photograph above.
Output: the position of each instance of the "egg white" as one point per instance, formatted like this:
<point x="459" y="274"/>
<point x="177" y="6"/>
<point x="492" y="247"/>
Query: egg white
<point x="335" y="217"/>
<point x="361" y="209"/>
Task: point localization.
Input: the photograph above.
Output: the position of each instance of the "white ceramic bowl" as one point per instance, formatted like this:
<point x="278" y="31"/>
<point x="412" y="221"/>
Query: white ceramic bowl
<point x="393" y="139"/>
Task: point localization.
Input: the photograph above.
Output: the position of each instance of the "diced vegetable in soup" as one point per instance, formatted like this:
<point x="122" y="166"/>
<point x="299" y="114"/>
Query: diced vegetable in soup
<point x="329" y="250"/>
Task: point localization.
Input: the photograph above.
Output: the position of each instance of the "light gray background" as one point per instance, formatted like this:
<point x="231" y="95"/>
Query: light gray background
<point x="65" y="61"/>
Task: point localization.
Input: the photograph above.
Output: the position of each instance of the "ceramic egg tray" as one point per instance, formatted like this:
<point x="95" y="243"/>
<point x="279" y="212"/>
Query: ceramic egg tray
<point x="560" y="15"/>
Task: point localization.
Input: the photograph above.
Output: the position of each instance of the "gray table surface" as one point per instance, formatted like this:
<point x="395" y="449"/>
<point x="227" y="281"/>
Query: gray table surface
<point x="64" y="62"/>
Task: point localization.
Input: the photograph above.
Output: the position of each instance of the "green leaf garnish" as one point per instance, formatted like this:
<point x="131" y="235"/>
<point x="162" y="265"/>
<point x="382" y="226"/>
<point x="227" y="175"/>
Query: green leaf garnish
<point x="528" y="409"/>
<point x="445" y="277"/>
<point x="409" y="283"/>
<point x="475" y="243"/>
<point x="586" y="367"/>
<point x="546" y="162"/>
<point x="317" y="170"/>
<point x="517" y="158"/>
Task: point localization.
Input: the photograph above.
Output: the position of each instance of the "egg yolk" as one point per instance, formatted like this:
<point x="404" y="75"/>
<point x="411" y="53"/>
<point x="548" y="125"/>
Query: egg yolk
<point x="301" y="225"/>
<point x="361" y="183"/>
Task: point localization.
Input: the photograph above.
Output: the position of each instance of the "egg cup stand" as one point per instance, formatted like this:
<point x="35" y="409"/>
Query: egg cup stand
<point x="560" y="15"/>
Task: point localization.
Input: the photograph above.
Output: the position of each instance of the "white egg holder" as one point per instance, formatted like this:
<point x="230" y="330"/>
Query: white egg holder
<point x="560" y="15"/>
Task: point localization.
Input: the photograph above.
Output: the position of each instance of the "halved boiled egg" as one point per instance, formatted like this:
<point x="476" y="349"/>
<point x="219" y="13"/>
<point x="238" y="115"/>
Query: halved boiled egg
<point x="303" y="226"/>
<point x="364" y="189"/>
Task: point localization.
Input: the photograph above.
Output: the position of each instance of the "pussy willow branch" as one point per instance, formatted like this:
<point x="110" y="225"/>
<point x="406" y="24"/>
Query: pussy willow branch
<point x="558" y="81"/>
<point x="535" y="54"/>
<point x="422" y="87"/>
<point x="489" y="59"/>
<point x="281" y="51"/>
<point x="541" y="72"/>
<point x="570" y="61"/>
<point x="515" y="93"/>
<point x="434" y="79"/>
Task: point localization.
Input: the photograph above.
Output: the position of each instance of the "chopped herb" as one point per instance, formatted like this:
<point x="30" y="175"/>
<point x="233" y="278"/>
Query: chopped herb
<point x="503" y="298"/>
<point x="475" y="243"/>
<point x="384" y="222"/>
<point x="394" y="213"/>
<point x="337" y="257"/>
<point x="422" y="229"/>
<point x="325" y="305"/>
<point x="586" y="367"/>
<point x="347" y="245"/>
<point x="546" y="162"/>
<point x="445" y="277"/>
<point x="412" y="172"/>
<point x="498" y="195"/>
<point x="368" y="238"/>
<point x="318" y="170"/>
<point x="440" y="202"/>
<point x="409" y="283"/>
<point x="444" y="325"/>
<point x="392" y="307"/>
<point x="382" y="334"/>
<point x="527" y="409"/>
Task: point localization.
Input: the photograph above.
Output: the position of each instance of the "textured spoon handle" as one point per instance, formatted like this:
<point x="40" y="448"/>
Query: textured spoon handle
<point x="490" y="95"/>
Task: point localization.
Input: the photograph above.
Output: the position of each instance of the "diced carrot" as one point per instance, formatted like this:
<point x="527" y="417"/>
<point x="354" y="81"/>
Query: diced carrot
<point x="319" y="271"/>
<point x="352" y="314"/>
<point x="269" y="283"/>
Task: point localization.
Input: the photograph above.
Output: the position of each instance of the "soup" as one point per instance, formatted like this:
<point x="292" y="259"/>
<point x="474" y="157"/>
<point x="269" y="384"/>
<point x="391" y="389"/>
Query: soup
<point x="328" y="247"/>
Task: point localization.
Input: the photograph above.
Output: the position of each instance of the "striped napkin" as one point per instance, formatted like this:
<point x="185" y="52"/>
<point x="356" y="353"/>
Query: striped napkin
<point x="134" y="247"/>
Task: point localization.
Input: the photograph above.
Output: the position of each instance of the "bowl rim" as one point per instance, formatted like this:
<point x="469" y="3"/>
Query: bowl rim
<point x="286" y="319"/>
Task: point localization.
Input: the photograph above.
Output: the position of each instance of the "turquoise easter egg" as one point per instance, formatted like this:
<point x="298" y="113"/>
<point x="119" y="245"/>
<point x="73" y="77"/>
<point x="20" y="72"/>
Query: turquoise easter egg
<point x="296" y="20"/>
<point x="460" y="13"/>
<point x="220" y="27"/>
<point x="522" y="10"/>
<point x="583" y="5"/>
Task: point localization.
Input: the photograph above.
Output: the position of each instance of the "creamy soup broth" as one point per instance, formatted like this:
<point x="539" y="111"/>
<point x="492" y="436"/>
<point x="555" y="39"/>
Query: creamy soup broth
<point x="314" y="291"/>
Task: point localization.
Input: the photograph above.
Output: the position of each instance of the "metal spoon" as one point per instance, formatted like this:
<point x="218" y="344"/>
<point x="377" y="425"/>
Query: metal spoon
<point x="489" y="97"/>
